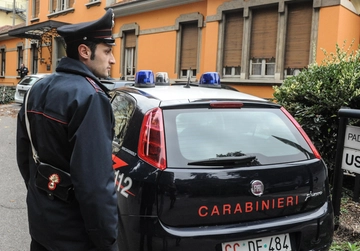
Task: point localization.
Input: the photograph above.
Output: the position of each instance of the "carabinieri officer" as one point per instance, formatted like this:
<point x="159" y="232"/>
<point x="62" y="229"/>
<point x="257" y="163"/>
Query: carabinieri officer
<point x="71" y="124"/>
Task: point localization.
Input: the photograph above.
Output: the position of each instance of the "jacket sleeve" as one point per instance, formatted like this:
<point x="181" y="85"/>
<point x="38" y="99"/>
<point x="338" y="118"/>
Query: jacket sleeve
<point x="22" y="146"/>
<point x="91" y="134"/>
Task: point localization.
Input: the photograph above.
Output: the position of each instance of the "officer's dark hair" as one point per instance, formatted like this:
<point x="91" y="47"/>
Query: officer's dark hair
<point x="72" y="49"/>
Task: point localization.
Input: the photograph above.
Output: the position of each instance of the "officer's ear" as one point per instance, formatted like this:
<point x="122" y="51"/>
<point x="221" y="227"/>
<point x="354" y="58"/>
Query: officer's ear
<point x="84" y="51"/>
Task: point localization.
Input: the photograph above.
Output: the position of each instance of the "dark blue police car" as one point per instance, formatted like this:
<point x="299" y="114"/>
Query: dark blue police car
<point x="213" y="169"/>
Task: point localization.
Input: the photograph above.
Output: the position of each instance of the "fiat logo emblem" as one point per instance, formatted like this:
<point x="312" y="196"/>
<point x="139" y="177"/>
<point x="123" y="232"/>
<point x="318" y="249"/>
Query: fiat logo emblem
<point x="257" y="188"/>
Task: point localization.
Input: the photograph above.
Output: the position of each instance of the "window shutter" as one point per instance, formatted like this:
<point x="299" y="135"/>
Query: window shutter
<point x="130" y="39"/>
<point x="189" y="46"/>
<point x="298" y="34"/>
<point x="264" y="32"/>
<point x="53" y="5"/>
<point x="37" y="8"/>
<point x="233" y="39"/>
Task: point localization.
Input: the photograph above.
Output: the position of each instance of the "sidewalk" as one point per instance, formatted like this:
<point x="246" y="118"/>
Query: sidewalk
<point x="14" y="230"/>
<point x="11" y="109"/>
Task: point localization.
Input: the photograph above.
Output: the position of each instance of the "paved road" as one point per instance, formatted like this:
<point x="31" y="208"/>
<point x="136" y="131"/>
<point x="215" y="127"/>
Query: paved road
<point x="14" y="234"/>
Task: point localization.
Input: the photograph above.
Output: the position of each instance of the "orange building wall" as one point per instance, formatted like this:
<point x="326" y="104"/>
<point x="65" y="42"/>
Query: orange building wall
<point x="349" y="28"/>
<point x="157" y="52"/>
<point x="209" y="48"/>
<point x="260" y="91"/>
<point x="47" y="58"/>
<point x="336" y="25"/>
<point x="163" y="17"/>
<point x="11" y="61"/>
<point x="81" y="13"/>
<point x="209" y="54"/>
<point x="115" y="69"/>
<point x="213" y="5"/>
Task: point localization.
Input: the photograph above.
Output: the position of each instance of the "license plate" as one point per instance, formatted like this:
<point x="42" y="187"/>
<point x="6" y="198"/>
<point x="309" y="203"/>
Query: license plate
<point x="269" y="243"/>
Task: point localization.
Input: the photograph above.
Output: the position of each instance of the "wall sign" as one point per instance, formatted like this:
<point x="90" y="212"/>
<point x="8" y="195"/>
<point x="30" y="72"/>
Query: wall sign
<point x="351" y="154"/>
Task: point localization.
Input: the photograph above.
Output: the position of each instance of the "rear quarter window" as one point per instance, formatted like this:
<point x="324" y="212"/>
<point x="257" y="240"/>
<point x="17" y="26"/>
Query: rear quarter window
<point x="123" y="107"/>
<point x="199" y="134"/>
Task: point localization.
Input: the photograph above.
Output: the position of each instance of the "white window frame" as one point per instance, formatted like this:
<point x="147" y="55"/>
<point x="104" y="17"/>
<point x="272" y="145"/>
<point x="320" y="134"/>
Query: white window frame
<point x="130" y="63"/>
<point x="188" y="73"/>
<point x="63" y="5"/>
<point x="231" y="71"/>
<point x="264" y="67"/>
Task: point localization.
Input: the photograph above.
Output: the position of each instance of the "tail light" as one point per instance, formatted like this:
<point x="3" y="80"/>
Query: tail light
<point x="302" y="132"/>
<point x="151" y="147"/>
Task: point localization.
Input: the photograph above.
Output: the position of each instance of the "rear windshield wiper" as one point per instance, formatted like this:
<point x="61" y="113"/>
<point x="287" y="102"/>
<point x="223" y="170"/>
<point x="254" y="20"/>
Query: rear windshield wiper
<point x="224" y="161"/>
<point x="295" y="145"/>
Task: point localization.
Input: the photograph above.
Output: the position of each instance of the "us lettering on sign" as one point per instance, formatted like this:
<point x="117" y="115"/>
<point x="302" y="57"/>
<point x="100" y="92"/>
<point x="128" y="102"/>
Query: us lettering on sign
<point x="351" y="154"/>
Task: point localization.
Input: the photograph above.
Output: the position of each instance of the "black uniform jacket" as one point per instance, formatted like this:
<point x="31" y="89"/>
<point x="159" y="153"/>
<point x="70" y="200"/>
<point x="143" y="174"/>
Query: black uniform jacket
<point x="71" y="123"/>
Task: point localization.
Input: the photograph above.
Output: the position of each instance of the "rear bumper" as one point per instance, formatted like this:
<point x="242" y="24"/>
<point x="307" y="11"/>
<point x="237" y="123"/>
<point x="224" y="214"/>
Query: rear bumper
<point x="308" y="231"/>
<point x="18" y="98"/>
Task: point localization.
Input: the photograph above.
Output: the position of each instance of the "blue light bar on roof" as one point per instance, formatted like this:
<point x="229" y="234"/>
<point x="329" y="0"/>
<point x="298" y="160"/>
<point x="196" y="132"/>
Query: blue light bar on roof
<point x="210" y="79"/>
<point x="144" y="78"/>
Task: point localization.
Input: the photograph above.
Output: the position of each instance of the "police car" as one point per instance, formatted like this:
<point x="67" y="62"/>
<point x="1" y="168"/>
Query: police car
<point x="207" y="168"/>
<point x="25" y="84"/>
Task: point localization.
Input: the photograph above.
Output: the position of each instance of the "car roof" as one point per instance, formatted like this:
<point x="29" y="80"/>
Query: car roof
<point x="115" y="81"/>
<point x="39" y="75"/>
<point x="192" y="93"/>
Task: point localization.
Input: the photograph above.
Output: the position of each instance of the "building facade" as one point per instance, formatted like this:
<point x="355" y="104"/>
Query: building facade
<point x="12" y="12"/>
<point x="12" y="15"/>
<point x="252" y="44"/>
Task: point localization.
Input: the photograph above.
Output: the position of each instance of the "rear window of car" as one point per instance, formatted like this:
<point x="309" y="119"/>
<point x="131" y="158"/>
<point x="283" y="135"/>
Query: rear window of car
<point x="200" y="134"/>
<point x="28" y="81"/>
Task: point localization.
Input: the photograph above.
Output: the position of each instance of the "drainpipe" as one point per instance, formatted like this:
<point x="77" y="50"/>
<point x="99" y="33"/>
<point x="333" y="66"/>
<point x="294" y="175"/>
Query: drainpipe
<point x="14" y="13"/>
